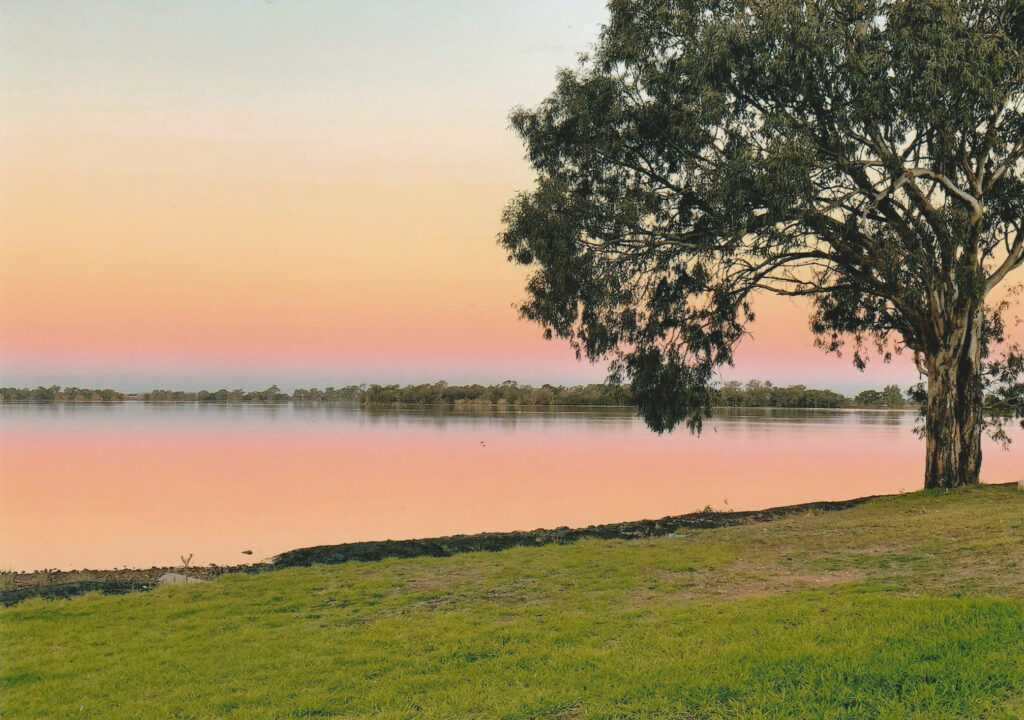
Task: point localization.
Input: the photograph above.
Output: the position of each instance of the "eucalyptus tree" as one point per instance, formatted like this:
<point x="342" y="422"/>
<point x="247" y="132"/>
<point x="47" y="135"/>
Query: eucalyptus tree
<point x="866" y="154"/>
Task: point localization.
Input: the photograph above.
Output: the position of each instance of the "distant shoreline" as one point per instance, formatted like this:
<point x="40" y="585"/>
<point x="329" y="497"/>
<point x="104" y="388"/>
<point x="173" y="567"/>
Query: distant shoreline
<point x="754" y="394"/>
<point x="410" y="406"/>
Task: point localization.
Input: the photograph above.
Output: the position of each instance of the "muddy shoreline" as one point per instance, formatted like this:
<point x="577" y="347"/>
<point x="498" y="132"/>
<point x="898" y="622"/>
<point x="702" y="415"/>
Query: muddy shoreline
<point x="18" y="586"/>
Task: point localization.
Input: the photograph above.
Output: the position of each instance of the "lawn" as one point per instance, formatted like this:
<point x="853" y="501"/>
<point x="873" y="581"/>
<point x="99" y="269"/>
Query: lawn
<point x="903" y="607"/>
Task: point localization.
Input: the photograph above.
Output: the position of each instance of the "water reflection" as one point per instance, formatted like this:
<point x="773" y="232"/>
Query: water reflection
<point x="764" y="416"/>
<point x="134" y="484"/>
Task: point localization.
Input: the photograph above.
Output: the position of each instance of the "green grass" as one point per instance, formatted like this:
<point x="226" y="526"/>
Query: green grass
<point x="904" y="607"/>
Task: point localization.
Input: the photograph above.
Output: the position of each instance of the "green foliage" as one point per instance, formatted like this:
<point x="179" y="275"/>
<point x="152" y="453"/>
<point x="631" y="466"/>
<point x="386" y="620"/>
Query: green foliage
<point x="271" y="395"/>
<point x="1007" y="396"/>
<point x="331" y="394"/>
<point x="867" y="155"/>
<point x="905" y="607"/>
<point x="56" y="393"/>
<point x="507" y="393"/>
<point x="891" y="396"/>
<point x="765" y="394"/>
<point x="1004" y="372"/>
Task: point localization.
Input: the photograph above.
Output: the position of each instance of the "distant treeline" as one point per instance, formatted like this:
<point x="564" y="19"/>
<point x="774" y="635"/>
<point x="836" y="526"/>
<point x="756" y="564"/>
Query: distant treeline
<point x="508" y="393"/>
<point x="272" y="394"/>
<point x="730" y="394"/>
<point x="56" y="393"/>
<point x="440" y="393"/>
<point x="764" y="394"/>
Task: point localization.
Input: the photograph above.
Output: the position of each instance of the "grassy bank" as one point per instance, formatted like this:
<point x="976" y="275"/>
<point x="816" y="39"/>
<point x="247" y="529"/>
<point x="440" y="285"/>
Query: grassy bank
<point x="902" y="607"/>
<point x="16" y="587"/>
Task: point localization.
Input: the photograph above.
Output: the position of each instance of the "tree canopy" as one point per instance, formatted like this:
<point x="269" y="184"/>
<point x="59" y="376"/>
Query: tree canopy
<point x="866" y="154"/>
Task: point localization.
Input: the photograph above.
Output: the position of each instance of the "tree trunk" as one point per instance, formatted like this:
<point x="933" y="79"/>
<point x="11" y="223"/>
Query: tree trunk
<point x="953" y="418"/>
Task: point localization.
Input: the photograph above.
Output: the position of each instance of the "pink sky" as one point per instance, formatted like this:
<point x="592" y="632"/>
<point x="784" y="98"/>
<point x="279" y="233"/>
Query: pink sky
<point x="246" y="193"/>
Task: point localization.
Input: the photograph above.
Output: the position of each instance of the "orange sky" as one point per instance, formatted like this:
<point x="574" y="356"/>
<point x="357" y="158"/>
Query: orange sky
<point x="246" y="193"/>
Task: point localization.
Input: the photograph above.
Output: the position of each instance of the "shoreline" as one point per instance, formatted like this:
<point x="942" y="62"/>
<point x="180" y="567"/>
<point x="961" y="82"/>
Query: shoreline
<point x="16" y="586"/>
<point x="452" y="407"/>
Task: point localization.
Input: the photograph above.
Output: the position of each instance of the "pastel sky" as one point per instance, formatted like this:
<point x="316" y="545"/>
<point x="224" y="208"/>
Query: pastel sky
<point x="306" y="192"/>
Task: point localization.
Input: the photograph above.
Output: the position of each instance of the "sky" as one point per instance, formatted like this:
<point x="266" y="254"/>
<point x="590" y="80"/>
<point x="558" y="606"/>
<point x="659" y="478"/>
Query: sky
<point x="198" y="194"/>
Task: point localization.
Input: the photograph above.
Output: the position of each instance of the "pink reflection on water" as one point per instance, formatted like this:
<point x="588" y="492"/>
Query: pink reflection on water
<point x="136" y="488"/>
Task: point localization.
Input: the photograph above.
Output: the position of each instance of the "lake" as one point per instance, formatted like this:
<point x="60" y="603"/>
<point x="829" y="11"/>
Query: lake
<point x="137" y="485"/>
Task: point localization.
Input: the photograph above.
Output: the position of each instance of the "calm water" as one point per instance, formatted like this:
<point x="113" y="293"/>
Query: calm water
<point x="139" y="485"/>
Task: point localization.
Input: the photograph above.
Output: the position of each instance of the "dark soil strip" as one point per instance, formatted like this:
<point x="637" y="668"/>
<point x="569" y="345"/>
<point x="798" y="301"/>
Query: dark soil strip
<point x="116" y="582"/>
<point x="66" y="590"/>
<point x="493" y="542"/>
<point x="58" y="584"/>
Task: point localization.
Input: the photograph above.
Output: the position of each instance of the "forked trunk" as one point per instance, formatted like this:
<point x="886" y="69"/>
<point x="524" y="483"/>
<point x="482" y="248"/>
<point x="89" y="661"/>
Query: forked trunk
<point x="953" y="416"/>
